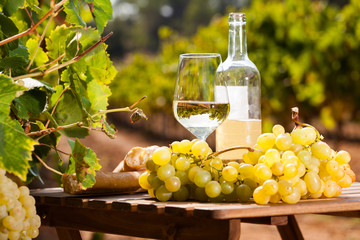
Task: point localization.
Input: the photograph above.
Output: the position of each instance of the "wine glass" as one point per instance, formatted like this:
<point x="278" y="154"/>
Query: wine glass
<point x="201" y="101"/>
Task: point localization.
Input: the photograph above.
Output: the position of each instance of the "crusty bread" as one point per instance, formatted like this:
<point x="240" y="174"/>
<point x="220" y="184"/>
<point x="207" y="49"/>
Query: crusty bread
<point x="135" y="159"/>
<point x="106" y="182"/>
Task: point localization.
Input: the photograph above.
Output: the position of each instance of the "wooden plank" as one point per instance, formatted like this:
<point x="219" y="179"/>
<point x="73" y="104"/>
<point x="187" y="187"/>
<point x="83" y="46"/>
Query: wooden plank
<point x="139" y="225"/>
<point x="68" y="234"/>
<point x="291" y="231"/>
<point x="227" y="211"/>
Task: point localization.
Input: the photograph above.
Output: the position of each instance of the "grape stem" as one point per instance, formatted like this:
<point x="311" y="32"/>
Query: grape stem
<point x="33" y="28"/>
<point x="298" y="124"/>
<point x="214" y="154"/>
<point x="62" y="65"/>
<point x="80" y="124"/>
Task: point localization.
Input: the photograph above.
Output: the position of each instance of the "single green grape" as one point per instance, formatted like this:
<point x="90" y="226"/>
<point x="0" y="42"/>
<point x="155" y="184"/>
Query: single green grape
<point x="185" y="146"/>
<point x="342" y="157"/>
<point x="270" y="186"/>
<point x="260" y="196"/>
<point x="271" y="156"/>
<point x="182" y="194"/>
<point x="150" y="165"/>
<point x="293" y="197"/>
<point x="278" y="129"/>
<point x="201" y="178"/>
<point x="290" y="170"/>
<point x="262" y="171"/>
<point x="245" y="171"/>
<point x="283" y="141"/>
<point x="200" y="149"/>
<point x="277" y="169"/>
<point x="213" y="189"/>
<point x="251" y="183"/>
<point x="321" y="150"/>
<point x="182" y="176"/>
<point x="266" y="140"/>
<point x="332" y="167"/>
<point x="236" y="165"/>
<point x="172" y="184"/>
<point x="161" y="156"/>
<point x="156" y="182"/>
<point x="313" y="182"/>
<point x="165" y="172"/>
<point x="229" y="173"/>
<point x="143" y="182"/>
<point x="192" y="172"/>
<point x="227" y="187"/>
<point x="309" y="135"/>
<point x="162" y="194"/>
<point x="175" y="147"/>
<point x="284" y="187"/>
<point x="182" y="163"/>
<point x="243" y="192"/>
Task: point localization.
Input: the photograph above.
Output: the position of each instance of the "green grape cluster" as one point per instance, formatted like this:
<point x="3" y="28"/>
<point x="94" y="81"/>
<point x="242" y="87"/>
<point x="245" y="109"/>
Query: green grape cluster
<point x="18" y="218"/>
<point x="288" y="167"/>
<point x="281" y="166"/>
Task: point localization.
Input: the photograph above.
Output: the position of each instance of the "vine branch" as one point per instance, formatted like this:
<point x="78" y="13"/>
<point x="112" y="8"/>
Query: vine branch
<point x="28" y="31"/>
<point x="73" y="60"/>
<point x="47" y="166"/>
<point x="58" y="150"/>
<point x="79" y="124"/>
<point x="57" y="102"/>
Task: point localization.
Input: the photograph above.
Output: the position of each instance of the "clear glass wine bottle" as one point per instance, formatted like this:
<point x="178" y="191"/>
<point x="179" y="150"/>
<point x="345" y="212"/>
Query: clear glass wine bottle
<point x="243" y="125"/>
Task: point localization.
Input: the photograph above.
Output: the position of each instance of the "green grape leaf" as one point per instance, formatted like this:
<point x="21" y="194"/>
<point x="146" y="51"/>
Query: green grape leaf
<point x="11" y="6"/>
<point x="109" y="130"/>
<point x="68" y="111"/>
<point x="99" y="65"/>
<point x="84" y="163"/>
<point x="12" y="135"/>
<point x="8" y="29"/>
<point x="16" y="64"/>
<point x="41" y="57"/>
<point x="31" y="102"/>
<point x="56" y="42"/>
<point x="98" y="95"/>
<point x="101" y="11"/>
<point x="72" y="10"/>
<point x="8" y="92"/>
<point x="21" y="51"/>
<point x="31" y="3"/>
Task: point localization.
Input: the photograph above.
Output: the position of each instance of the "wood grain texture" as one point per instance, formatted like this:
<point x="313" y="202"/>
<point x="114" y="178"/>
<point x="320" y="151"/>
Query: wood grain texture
<point x="139" y="225"/>
<point x="290" y="231"/>
<point x="68" y="234"/>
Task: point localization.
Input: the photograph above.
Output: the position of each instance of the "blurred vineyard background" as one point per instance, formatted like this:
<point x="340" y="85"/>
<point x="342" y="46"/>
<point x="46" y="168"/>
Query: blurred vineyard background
<point x="307" y="52"/>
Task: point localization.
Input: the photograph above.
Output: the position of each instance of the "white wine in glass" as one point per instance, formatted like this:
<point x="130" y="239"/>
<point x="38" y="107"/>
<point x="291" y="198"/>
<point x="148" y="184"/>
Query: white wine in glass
<point x="201" y="100"/>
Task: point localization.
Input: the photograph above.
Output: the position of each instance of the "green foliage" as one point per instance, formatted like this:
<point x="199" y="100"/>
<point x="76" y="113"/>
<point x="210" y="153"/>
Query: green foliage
<point x="83" y="162"/>
<point x="15" y="146"/>
<point x="54" y="81"/>
<point x="307" y="53"/>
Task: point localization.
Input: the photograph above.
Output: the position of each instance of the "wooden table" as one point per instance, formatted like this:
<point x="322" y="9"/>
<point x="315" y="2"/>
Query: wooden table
<point x="140" y="216"/>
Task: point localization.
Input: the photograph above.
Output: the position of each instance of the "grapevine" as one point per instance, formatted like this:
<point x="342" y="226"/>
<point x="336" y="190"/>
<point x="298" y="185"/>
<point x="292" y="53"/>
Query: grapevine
<point x="280" y="167"/>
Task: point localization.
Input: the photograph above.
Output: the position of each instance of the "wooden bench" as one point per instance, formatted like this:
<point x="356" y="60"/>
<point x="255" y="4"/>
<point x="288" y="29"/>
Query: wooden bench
<point x="140" y="216"/>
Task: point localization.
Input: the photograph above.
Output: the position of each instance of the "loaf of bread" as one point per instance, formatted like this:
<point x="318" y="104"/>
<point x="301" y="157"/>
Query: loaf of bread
<point x="135" y="159"/>
<point x="106" y="182"/>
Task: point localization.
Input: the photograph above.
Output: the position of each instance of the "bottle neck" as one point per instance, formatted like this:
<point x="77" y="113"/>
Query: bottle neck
<point x="237" y="40"/>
